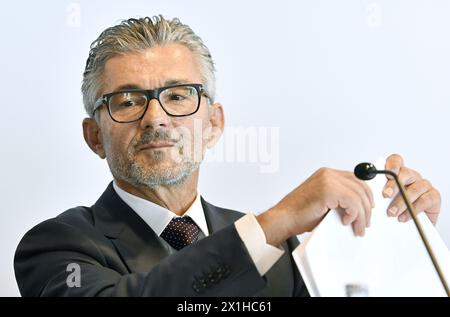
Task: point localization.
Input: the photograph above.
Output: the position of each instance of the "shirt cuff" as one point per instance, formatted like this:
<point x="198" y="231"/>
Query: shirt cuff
<point x="263" y="255"/>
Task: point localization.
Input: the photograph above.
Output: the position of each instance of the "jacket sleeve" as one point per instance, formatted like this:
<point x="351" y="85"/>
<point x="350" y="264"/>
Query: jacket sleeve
<point x="218" y="265"/>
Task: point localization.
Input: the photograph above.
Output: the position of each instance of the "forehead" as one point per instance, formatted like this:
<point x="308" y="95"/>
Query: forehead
<point x="151" y="68"/>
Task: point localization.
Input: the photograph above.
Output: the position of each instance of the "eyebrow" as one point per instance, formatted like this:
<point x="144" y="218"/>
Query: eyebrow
<point x="126" y="87"/>
<point x="170" y="82"/>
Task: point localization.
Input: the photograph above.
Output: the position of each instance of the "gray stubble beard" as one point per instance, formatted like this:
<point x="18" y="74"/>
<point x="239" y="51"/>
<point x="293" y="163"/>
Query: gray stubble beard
<point x="130" y="170"/>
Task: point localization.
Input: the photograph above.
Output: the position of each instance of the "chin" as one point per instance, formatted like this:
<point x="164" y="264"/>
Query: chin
<point x="158" y="163"/>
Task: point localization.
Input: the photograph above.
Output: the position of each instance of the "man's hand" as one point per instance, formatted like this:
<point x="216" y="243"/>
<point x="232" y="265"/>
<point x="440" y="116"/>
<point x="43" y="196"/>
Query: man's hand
<point x="302" y="209"/>
<point x="423" y="196"/>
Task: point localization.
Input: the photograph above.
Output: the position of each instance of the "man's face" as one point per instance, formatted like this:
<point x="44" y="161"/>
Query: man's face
<point x="158" y="149"/>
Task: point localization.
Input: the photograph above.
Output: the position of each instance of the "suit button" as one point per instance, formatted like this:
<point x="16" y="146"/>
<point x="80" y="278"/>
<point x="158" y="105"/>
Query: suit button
<point x="227" y="271"/>
<point x="204" y="282"/>
<point x="212" y="278"/>
<point x="197" y="288"/>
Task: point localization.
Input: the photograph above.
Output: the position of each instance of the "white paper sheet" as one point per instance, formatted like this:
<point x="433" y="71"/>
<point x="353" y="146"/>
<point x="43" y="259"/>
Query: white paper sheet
<point x="390" y="260"/>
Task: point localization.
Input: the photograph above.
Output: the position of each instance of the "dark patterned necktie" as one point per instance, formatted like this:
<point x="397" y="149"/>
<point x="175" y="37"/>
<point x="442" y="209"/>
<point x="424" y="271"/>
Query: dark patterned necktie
<point x="180" y="232"/>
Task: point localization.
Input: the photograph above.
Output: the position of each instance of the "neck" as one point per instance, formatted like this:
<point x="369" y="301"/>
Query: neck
<point x="177" y="198"/>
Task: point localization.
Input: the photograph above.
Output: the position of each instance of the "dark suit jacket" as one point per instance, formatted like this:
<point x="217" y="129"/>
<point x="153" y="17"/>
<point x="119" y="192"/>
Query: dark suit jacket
<point x="120" y="255"/>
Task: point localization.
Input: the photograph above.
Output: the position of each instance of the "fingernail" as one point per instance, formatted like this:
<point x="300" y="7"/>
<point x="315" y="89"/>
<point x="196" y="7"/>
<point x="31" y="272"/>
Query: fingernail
<point x="392" y="211"/>
<point x="402" y="218"/>
<point x="388" y="191"/>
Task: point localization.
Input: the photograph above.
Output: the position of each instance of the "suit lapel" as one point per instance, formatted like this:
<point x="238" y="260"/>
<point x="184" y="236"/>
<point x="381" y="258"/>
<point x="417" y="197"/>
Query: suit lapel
<point x="218" y="218"/>
<point x="140" y="251"/>
<point x="138" y="245"/>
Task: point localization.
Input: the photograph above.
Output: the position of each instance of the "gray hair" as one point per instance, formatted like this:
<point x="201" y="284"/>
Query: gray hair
<point x="135" y="35"/>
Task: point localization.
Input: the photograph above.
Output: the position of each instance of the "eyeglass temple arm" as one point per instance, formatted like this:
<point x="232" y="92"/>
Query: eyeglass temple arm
<point x="100" y="101"/>
<point x="204" y="93"/>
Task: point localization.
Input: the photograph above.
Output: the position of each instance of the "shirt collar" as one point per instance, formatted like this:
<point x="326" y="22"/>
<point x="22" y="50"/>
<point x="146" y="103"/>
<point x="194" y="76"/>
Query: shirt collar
<point x="158" y="217"/>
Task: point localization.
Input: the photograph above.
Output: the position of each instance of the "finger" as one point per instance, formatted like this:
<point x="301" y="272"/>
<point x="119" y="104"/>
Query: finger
<point x="370" y="203"/>
<point x="393" y="163"/>
<point x="413" y="192"/>
<point x="365" y="203"/>
<point x="406" y="176"/>
<point x="354" y="212"/>
<point x="359" y="225"/>
<point x="404" y="217"/>
<point x="357" y="219"/>
<point x="351" y="204"/>
<point x="429" y="202"/>
<point x="364" y="191"/>
<point x="365" y="195"/>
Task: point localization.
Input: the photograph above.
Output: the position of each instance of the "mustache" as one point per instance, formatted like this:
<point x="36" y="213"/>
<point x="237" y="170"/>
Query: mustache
<point x="156" y="135"/>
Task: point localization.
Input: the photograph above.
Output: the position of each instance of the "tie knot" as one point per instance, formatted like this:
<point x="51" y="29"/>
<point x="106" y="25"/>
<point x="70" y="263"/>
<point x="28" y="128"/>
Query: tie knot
<point x="180" y="232"/>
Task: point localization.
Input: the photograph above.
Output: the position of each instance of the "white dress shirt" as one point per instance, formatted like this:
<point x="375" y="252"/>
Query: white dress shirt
<point x="156" y="217"/>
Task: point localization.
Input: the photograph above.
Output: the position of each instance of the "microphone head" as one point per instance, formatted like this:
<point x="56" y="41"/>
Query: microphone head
<point x="365" y="171"/>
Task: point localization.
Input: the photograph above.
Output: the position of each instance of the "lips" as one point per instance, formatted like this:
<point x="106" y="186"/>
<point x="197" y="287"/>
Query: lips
<point x="155" y="145"/>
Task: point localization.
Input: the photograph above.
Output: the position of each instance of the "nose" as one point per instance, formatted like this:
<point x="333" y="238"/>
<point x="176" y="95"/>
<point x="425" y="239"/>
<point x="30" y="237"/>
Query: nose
<point x="155" y="117"/>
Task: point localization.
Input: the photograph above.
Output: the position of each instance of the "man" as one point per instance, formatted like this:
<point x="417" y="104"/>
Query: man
<point x="148" y="88"/>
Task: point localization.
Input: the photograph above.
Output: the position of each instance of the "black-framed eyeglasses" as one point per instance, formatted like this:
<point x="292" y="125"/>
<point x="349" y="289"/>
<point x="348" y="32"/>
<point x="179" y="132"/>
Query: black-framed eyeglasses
<point x="130" y="105"/>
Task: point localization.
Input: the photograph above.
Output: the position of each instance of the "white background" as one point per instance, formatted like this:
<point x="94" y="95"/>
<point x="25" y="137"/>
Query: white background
<point x="343" y="81"/>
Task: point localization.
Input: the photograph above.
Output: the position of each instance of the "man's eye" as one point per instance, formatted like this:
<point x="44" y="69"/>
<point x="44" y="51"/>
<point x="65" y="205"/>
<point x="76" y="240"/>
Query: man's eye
<point x="127" y="104"/>
<point x="174" y="97"/>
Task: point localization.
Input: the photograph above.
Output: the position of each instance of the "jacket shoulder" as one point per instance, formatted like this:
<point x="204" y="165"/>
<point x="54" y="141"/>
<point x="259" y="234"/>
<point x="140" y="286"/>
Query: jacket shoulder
<point x="51" y="245"/>
<point x="233" y="214"/>
<point x="80" y="215"/>
<point x="79" y="218"/>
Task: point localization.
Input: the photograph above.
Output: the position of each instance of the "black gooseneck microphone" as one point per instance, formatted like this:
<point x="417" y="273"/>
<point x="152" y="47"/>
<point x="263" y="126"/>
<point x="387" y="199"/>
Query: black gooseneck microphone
<point x="367" y="171"/>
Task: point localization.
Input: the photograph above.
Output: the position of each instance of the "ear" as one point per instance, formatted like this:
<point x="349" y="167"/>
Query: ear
<point x="217" y="124"/>
<point x="93" y="137"/>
